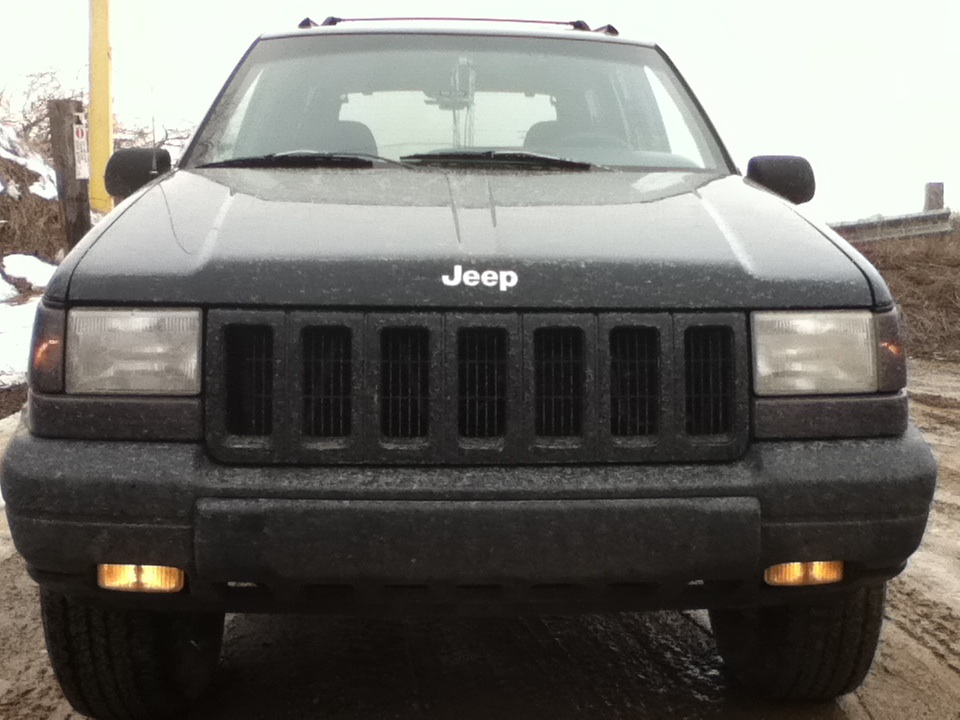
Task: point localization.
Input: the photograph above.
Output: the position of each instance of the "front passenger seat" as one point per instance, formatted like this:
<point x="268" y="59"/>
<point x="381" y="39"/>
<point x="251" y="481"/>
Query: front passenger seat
<point x="347" y="136"/>
<point x="545" y="135"/>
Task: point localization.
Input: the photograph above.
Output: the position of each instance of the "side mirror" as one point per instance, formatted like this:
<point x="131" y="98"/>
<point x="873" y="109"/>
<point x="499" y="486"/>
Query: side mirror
<point x="130" y="169"/>
<point x="788" y="176"/>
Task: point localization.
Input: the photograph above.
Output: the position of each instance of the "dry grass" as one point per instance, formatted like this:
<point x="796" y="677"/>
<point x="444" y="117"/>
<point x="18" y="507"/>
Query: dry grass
<point x="33" y="225"/>
<point x="924" y="276"/>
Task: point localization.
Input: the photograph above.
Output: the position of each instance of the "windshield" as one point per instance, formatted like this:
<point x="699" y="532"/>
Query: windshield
<point x="403" y="95"/>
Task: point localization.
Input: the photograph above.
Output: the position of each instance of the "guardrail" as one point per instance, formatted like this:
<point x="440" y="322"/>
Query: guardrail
<point x="900" y="227"/>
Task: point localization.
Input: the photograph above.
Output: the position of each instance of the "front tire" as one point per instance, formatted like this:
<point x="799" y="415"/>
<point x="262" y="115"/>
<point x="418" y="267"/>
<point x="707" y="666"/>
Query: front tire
<point x="813" y="652"/>
<point x="115" y="664"/>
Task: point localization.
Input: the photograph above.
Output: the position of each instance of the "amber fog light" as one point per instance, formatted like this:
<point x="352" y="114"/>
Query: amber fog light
<point x="140" y="578"/>
<point x="804" y="573"/>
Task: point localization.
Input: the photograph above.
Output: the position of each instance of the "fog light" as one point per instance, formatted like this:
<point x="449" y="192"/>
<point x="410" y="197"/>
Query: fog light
<point x="140" y="578"/>
<point x="804" y="573"/>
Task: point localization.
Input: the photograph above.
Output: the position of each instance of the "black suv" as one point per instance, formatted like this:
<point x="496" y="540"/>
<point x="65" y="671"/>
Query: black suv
<point x="461" y="318"/>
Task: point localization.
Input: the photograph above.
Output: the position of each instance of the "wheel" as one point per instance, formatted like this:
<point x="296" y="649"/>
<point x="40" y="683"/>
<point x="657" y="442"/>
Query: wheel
<point x="114" y="664"/>
<point x="802" y="652"/>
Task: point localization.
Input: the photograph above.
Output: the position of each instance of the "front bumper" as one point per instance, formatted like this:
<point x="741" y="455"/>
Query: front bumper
<point x="547" y="537"/>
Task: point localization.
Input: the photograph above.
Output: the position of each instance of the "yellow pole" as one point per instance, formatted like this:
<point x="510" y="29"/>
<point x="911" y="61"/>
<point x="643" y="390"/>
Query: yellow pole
<point x="101" y="110"/>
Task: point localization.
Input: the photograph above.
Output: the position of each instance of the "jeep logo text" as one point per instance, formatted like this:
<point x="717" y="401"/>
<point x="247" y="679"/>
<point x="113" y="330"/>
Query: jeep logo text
<point x="506" y="279"/>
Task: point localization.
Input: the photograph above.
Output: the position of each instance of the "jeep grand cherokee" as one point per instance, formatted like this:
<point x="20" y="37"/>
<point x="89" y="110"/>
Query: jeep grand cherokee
<point x="461" y="318"/>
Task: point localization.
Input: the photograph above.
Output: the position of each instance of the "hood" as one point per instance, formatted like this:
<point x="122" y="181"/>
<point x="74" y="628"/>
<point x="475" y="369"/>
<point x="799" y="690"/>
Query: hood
<point x="409" y="238"/>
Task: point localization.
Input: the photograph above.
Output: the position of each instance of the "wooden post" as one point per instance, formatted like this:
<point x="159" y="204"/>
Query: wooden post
<point x="933" y="197"/>
<point x="65" y="116"/>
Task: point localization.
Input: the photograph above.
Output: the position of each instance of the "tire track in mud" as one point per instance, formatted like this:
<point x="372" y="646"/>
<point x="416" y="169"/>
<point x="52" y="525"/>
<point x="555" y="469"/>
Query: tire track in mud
<point x="932" y="624"/>
<point x="933" y="400"/>
<point x="28" y="689"/>
<point x="936" y="415"/>
<point x="626" y="665"/>
<point x="940" y="417"/>
<point x="941" y="428"/>
<point x="947" y="505"/>
<point x="915" y="603"/>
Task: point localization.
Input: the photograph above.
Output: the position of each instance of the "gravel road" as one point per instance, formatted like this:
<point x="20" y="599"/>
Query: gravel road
<point x="660" y="665"/>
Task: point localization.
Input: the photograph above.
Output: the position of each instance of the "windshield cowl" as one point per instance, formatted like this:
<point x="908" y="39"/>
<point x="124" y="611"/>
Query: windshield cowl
<point x="499" y="157"/>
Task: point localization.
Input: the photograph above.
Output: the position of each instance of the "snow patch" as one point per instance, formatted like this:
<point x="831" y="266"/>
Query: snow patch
<point x="27" y="267"/>
<point x="13" y="149"/>
<point x="16" y="328"/>
<point x="45" y="188"/>
<point x="13" y="190"/>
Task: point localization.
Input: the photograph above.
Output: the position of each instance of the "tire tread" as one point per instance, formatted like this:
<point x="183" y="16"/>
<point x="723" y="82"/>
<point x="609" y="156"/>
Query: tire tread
<point x="813" y="652"/>
<point x="123" y="664"/>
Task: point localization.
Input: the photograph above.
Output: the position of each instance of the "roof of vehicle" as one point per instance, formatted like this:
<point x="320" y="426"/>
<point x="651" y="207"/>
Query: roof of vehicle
<point x="456" y="26"/>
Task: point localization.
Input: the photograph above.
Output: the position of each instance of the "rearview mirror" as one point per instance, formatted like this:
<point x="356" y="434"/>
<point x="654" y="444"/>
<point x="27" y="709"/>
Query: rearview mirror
<point x="788" y="176"/>
<point x="130" y="169"/>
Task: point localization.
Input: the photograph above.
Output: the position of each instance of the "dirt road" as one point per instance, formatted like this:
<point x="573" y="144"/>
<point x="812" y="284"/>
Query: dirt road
<point x="656" y="665"/>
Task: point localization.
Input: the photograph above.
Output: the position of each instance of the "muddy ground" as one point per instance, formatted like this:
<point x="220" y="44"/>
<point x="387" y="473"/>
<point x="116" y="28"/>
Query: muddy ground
<point x="654" y="665"/>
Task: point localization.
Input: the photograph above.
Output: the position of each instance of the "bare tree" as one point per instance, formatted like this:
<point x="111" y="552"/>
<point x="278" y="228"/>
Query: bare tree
<point x="126" y="136"/>
<point x="33" y="122"/>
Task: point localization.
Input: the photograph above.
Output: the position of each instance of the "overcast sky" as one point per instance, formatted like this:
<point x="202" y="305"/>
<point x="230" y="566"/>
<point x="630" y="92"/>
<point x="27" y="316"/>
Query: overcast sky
<point x="868" y="93"/>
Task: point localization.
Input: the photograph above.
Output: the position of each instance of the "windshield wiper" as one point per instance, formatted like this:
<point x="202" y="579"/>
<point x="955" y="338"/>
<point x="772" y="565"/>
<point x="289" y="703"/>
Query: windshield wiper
<point x="302" y="158"/>
<point x="500" y="157"/>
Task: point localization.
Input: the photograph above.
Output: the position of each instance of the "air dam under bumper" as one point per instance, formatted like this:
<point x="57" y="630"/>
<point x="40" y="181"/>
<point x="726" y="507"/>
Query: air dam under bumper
<point x="579" y="537"/>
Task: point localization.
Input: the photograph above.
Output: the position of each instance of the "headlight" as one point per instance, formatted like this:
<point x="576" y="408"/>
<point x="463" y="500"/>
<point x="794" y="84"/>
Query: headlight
<point x="814" y="353"/>
<point x="133" y="352"/>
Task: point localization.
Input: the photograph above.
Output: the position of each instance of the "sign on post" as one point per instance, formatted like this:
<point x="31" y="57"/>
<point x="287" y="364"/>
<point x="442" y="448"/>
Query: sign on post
<point x="71" y="159"/>
<point x="81" y="151"/>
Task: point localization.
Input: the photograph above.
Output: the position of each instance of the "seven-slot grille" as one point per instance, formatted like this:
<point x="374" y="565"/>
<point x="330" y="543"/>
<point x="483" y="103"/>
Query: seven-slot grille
<point x="427" y="388"/>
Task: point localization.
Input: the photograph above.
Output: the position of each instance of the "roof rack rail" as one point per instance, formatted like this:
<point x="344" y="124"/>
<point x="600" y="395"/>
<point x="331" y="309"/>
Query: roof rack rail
<point x="608" y="30"/>
<point x="331" y="21"/>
